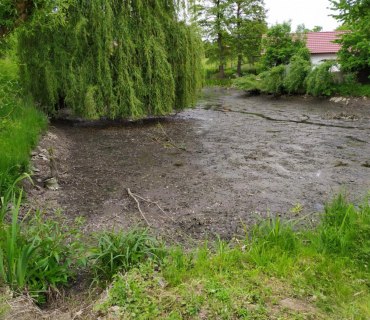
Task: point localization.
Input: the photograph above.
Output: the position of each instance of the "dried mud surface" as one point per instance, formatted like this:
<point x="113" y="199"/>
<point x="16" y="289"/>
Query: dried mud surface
<point x="212" y="169"/>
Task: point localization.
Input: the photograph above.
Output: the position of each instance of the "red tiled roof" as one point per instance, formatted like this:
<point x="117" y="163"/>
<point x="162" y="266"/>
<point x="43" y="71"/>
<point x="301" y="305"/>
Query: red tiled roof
<point x="322" y="42"/>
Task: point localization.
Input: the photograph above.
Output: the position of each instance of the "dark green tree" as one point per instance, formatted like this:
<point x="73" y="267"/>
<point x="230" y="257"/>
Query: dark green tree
<point x="214" y="18"/>
<point x="110" y="58"/>
<point x="354" y="55"/>
<point x="280" y="45"/>
<point x="247" y="26"/>
<point x="317" y="29"/>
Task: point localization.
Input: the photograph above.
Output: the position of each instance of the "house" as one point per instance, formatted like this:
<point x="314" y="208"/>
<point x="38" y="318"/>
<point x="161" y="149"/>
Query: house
<point x="322" y="46"/>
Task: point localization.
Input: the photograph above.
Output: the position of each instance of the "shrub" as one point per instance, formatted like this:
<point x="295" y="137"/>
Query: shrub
<point x="350" y="87"/>
<point x="298" y="70"/>
<point x="250" y="83"/>
<point x="218" y="82"/>
<point x="320" y="80"/>
<point x="273" y="80"/>
<point x="303" y="53"/>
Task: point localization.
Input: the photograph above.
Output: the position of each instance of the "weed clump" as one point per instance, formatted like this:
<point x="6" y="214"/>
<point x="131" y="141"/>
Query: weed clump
<point x="118" y="252"/>
<point x="36" y="253"/>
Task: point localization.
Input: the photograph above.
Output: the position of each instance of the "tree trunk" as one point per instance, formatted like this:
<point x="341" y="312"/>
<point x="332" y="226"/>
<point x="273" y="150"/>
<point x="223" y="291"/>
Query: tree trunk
<point x="221" y="67"/>
<point x="23" y="9"/>
<point x="239" y="40"/>
<point x="239" y="67"/>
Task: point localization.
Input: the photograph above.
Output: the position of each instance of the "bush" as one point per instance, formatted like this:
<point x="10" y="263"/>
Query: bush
<point x="320" y="81"/>
<point x="250" y="83"/>
<point x="298" y="70"/>
<point x="273" y="80"/>
<point x="303" y="53"/>
<point x="350" y="87"/>
<point x="218" y="82"/>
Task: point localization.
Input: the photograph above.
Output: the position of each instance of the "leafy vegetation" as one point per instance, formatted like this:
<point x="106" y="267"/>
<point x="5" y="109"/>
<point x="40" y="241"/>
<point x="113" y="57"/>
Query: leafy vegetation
<point x="20" y="126"/>
<point x="354" y="55"/>
<point x="298" y="70"/>
<point x="250" y="83"/>
<point x="233" y="29"/>
<point x="273" y="80"/>
<point x="325" y="271"/>
<point x="280" y="46"/>
<point x="36" y="253"/>
<point x="352" y="89"/>
<point x="111" y="58"/>
<point x="320" y="80"/>
<point x="119" y="252"/>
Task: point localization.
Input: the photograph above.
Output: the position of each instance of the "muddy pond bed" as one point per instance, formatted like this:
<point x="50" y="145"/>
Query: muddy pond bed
<point x="210" y="170"/>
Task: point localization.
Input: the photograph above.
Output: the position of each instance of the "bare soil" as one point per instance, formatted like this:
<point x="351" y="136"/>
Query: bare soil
<point x="227" y="163"/>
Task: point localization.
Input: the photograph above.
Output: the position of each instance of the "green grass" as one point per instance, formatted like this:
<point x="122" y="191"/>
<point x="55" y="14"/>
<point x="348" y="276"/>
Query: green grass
<point x="119" y="252"/>
<point x="38" y="254"/>
<point x="20" y="125"/>
<point x="325" y="273"/>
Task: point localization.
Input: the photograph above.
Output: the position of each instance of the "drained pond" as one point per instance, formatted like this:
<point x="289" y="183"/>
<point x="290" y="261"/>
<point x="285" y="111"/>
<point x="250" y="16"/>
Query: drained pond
<point x="211" y="170"/>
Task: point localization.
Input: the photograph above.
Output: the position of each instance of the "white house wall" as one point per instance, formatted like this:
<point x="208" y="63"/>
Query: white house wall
<point x="321" y="57"/>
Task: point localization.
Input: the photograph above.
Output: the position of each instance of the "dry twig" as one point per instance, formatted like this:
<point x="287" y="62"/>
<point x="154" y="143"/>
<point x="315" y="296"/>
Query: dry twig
<point x="155" y="203"/>
<point x="138" y="206"/>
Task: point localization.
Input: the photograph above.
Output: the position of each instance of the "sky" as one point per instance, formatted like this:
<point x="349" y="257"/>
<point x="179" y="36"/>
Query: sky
<point x="310" y="12"/>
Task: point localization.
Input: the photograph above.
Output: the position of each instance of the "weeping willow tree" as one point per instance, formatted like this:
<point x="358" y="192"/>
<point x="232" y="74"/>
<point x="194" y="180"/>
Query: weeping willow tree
<point x="111" y="58"/>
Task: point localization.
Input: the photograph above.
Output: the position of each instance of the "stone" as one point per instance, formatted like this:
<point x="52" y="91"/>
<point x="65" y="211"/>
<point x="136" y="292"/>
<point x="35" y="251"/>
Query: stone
<point x="52" y="184"/>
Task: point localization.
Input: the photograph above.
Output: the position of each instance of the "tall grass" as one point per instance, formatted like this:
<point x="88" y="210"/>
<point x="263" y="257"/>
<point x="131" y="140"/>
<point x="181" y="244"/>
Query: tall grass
<point x="20" y="125"/>
<point x="15" y="253"/>
<point x="325" y="268"/>
<point x="119" y="251"/>
<point x="37" y="254"/>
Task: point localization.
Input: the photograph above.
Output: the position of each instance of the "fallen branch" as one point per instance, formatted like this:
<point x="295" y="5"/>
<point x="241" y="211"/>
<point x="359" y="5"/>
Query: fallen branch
<point x="138" y="206"/>
<point x="155" y="203"/>
<point x="169" y="139"/>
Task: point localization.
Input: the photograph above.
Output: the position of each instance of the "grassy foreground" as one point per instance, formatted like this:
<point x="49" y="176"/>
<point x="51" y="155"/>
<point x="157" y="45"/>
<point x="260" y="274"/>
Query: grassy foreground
<point x="274" y="273"/>
<point x="20" y="125"/>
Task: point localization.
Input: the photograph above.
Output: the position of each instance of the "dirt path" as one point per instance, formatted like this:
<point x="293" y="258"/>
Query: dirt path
<point x="233" y="159"/>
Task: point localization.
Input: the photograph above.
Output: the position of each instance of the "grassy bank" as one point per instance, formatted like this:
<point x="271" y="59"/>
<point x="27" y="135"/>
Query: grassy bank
<point x="20" y="125"/>
<point x="274" y="273"/>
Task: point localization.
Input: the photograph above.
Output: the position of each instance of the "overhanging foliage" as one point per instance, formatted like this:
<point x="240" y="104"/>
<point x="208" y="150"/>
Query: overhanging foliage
<point x="111" y="58"/>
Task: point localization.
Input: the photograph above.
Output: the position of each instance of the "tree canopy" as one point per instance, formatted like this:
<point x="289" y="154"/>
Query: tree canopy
<point x="279" y="45"/>
<point x="355" y="52"/>
<point x="233" y="28"/>
<point x="247" y="26"/>
<point x="109" y="58"/>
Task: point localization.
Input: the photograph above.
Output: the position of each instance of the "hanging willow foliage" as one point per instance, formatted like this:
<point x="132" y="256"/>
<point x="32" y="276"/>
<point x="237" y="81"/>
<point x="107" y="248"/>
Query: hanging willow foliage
<point x="112" y="58"/>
